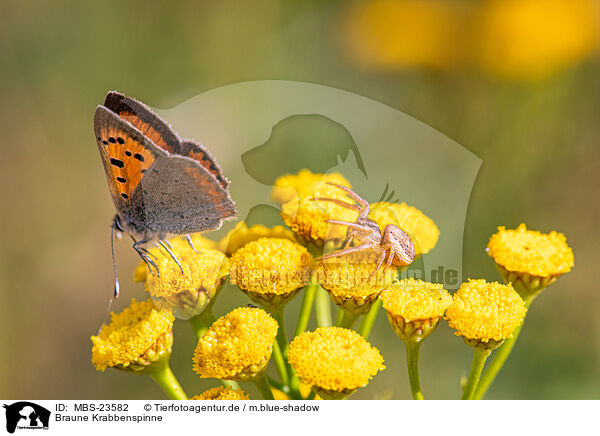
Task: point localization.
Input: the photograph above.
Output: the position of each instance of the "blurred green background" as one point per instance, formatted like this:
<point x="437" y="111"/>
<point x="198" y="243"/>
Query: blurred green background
<point x="515" y="82"/>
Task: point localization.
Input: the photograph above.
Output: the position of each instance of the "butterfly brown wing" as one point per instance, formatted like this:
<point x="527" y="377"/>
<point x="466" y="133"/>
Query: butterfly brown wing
<point x="200" y="154"/>
<point x="126" y="154"/>
<point x="178" y="195"/>
<point x="144" y="120"/>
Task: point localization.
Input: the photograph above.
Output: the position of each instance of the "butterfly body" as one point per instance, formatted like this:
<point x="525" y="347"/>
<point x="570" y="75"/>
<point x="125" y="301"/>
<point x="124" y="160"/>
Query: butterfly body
<point x="160" y="184"/>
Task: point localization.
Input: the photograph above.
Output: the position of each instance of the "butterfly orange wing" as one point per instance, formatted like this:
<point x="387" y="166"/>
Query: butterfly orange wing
<point x="126" y="154"/>
<point x="144" y="120"/>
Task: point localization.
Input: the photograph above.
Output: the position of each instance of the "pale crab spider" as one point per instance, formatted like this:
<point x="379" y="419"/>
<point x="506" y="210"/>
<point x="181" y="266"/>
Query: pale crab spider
<point x="394" y="243"/>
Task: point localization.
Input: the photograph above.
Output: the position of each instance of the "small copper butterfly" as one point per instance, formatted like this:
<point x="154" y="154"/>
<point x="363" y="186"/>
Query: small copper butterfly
<point x="160" y="184"/>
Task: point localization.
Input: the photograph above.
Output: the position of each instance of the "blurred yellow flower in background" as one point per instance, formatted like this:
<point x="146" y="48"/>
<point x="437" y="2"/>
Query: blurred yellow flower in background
<point x="138" y="339"/>
<point x="334" y="361"/>
<point x="485" y="312"/>
<point x="222" y="393"/>
<point x="421" y="229"/>
<point x="531" y="39"/>
<point x="237" y="346"/>
<point x="514" y="39"/>
<point x="389" y="34"/>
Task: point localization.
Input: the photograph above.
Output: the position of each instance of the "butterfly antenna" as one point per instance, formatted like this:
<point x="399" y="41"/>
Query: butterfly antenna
<point x="106" y="315"/>
<point x="112" y="250"/>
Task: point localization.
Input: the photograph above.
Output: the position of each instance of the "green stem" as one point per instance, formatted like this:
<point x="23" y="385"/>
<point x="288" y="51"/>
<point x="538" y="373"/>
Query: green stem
<point x="200" y="323"/>
<point x="168" y="382"/>
<point x="479" y="357"/>
<point x="280" y="364"/>
<point x="307" y="303"/>
<point x="263" y="386"/>
<point x="281" y="335"/>
<point x="369" y="319"/>
<point x="347" y="319"/>
<point x="229" y="383"/>
<point x="412" y="361"/>
<point x="322" y="308"/>
<point x="498" y="360"/>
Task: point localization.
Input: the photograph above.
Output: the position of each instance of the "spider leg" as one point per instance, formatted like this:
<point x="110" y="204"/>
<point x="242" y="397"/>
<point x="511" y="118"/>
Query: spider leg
<point x="364" y="209"/>
<point x="189" y="240"/>
<point x="345" y="251"/>
<point x="167" y="247"/>
<point x="338" y="202"/>
<point x="351" y="225"/>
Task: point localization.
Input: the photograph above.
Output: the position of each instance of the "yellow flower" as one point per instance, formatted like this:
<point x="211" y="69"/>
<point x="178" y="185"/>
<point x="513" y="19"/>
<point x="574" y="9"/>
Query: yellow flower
<point x="139" y="339"/>
<point x="393" y="35"/>
<point x="414" y="307"/>
<point x="352" y="282"/>
<point x="222" y="393"/>
<point x="334" y="361"/>
<point x="180" y="245"/>
<point x="485" y="312"/>
<point x="242" y="234"/>
<point x="304" y="185"/>
<point x="530" y="260"/>
<point x="306" y="217"/>
<point x="421" y="229"/>
<point x="237" y="346"/>
<point x="532" y="39"/>
<point x="271" y="271"/>
<point x="187" y="294"/>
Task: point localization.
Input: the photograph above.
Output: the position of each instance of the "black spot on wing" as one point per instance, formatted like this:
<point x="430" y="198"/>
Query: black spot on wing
<point x="116" y="162"/>
<point x="139" y="157"/>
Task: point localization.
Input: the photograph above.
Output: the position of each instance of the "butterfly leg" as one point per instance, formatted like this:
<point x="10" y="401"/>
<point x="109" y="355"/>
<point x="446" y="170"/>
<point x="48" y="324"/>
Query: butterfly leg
<point x="168" y="248"/>
<point x="189" y="240"/>
<point x="143" y="253"/>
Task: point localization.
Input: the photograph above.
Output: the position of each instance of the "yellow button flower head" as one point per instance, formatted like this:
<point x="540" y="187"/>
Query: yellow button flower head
<point x="528" y="259"/>
<point x="222" y="393"/>
<point x="352" y="282"/>
<point x="414" y="307"/>
<point x="271" y="271"/>
<point x="180" y="245"/>
<point x="187" y="294"/>
<point x="138" y="340"/>
<point x="242" y="234"/>
<point x="306" y="217"/>
<point x="303" y="185"/>
<point x="533" y="39"/>
<point x="237" y="346"/>
<point x="421" y="229"/>
<point x="334" y="361"/>
<point x="485" y="314"/>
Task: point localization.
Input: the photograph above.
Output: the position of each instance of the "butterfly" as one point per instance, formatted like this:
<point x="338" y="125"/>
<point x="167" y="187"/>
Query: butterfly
<point x="160" y="184"/>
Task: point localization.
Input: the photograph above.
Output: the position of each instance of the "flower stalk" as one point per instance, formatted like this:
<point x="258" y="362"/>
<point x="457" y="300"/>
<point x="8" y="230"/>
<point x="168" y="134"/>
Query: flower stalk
<point x="366" y="324"/>
<point x="412" y="361"/>
<point x="480" y="355"/>
<point x="499" y="359"/>
<point x="263" y="386"/>
<point x="165" y="378"/>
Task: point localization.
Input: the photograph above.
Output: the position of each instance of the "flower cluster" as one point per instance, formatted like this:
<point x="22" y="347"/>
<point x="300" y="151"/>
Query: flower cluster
<point x="273" y="265"/>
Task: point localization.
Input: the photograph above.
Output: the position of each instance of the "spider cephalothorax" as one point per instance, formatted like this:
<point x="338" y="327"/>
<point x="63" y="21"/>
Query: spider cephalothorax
<point x="393" y="244"/>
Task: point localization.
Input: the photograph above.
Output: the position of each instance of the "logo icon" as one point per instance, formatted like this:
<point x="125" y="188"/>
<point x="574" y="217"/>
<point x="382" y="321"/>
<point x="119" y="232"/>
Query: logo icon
<point x="26" y="415"/>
